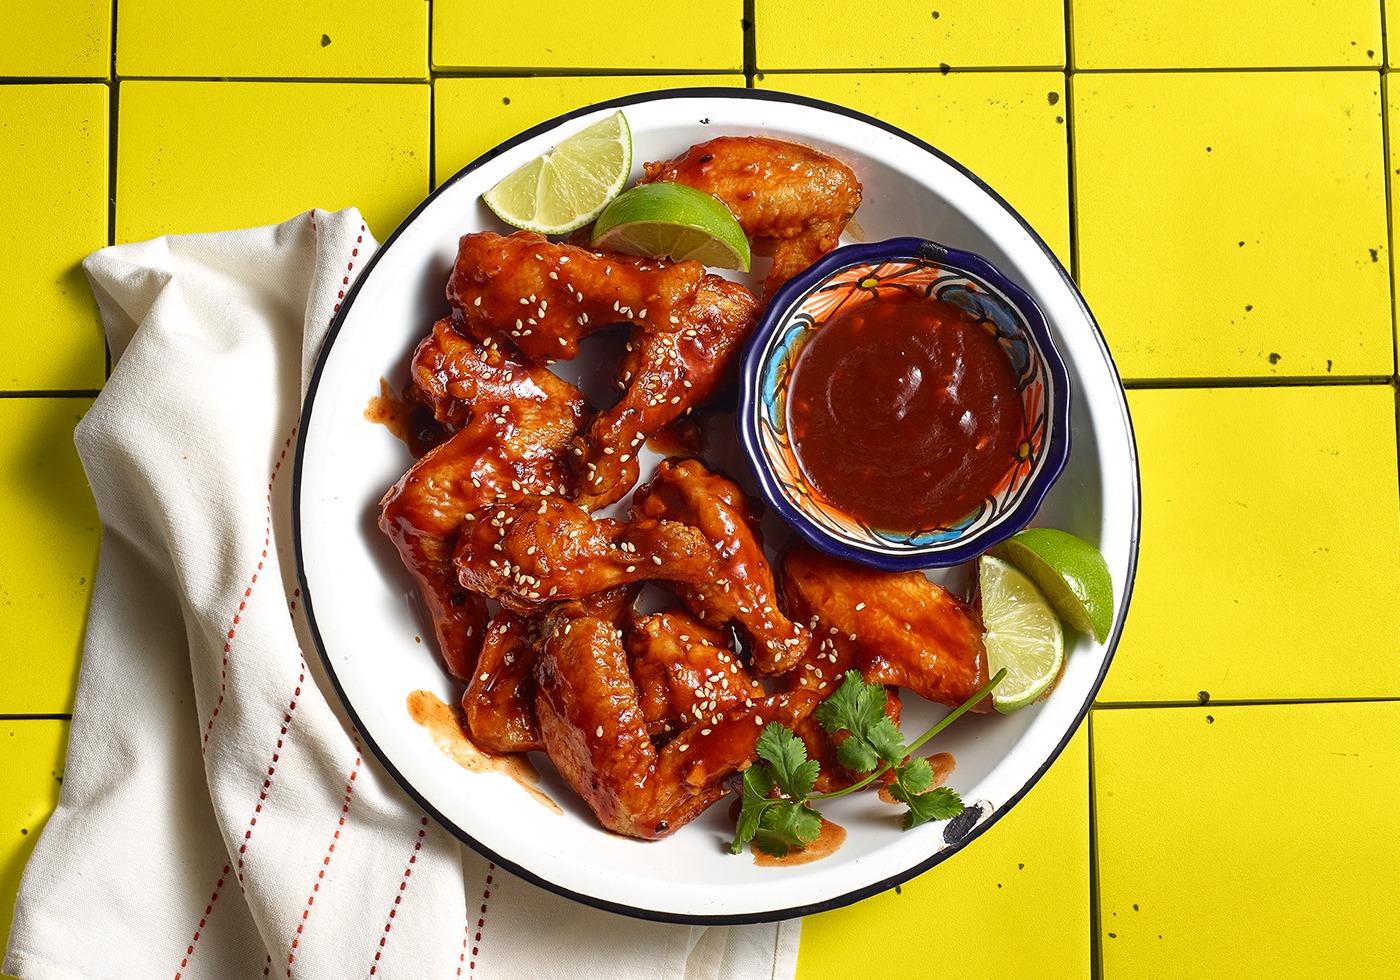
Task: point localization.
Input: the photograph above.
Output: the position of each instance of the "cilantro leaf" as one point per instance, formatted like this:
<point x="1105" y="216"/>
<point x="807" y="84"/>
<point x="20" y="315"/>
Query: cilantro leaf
<point x="793" y="772"/>
<point x="786" y="825"/>
<point x="916" y="775"/>
<point x="758" y="784"/>
<point x="858" y="708"/>
<point x="937" y="804"/>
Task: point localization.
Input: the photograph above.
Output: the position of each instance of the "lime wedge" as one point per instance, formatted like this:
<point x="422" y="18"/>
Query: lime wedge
<point x="1071" y="573"/>
<point x="569" y="186"/>
<point x="666" y="219"/>
<point x="1022" y="634"/>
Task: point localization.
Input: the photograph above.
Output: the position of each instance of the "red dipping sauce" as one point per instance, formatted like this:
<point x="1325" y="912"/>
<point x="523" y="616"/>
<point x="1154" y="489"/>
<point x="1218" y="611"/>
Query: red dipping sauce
<point x="904" y="413"/>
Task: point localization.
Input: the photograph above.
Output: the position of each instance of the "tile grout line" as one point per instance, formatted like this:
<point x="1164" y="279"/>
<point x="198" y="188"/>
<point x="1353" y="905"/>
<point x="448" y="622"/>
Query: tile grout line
<point x="113" y="95"/>
<point x="749" y="30"/>
<point x="1071" y="203"/>
<point x="1236" y="703"/>
<point x="1095" y="897"/>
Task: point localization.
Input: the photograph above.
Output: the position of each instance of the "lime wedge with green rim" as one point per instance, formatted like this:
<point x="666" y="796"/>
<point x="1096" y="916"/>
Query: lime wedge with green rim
<point x="666" y="219"/>
<point x="1022" y="634"/>
<point x="570" y="185"/>
<point x="1071" y="573"/>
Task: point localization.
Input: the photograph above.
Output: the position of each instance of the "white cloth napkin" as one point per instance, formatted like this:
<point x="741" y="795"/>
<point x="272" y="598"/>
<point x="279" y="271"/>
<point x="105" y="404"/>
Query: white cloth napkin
<point x="219" y="816"/>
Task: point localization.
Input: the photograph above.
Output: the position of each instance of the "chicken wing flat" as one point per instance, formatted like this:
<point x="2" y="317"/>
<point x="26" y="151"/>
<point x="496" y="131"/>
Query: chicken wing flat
<point x="510" y="445"/>
<point x="684" y="672"/>
<point x="785" y="195"/>
<point x="901" y="628"/>
<point x="664" y="375"/>
<point x="545" y="549"/>
<point x="544" y="297"/>
<point x="742" y="590"/>
<point x="595" y="732"/>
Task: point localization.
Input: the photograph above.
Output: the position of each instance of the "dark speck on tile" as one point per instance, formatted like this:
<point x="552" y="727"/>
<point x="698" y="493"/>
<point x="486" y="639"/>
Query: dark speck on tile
<point x="1059" y="119"/>
<point x="944" y="67"/>
<point x="898" y="890"/>
<point x="1275" y="357"/>
<point x="505" y="100"/>
<point x="1329" y="365"/>
<point x="1204" y="696"/>
<point x="24" y="830"/>
<point x="935" y="15"/>
<point x="325" y="40"/>
<point x="1375" y="254"/>
<point x="1053" y="97"/>
<point x="1113" y="935"/>
<point x="1135" y="907"/>
<point x="1248" y="307"/>
<point x="1210" y="720"/>
<point x="1207" y="149"/>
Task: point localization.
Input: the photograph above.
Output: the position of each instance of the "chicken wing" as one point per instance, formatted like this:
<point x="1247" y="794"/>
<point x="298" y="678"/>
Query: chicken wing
<point x="499" y="702"/>
<point x="460" y="379"/>
<point x="596" y="734"/>
<point x="516" y="428"/>
<point x="742" y="590"/>
<point x="785" y="195"/>
<point x="545" y="549"/>
<point x="544" y="297"/>
<point x="901" y="628"/>
<point x="684" y="672"/>
<point x="665" y="374"/>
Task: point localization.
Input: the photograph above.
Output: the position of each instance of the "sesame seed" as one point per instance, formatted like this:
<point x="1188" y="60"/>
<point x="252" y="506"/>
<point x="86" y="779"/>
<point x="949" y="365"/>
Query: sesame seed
<point x="598" y="731"/>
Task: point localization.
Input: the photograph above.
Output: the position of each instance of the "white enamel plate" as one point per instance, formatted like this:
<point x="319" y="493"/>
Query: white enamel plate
<point x="367" y="621"/>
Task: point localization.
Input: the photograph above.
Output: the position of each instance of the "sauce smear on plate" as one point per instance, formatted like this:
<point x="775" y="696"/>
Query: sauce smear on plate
<point x="447" y="725"/>
<point x="904" y="413"/>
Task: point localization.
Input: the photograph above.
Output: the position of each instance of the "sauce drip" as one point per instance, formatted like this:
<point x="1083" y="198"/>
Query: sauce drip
<point x="828" y="842"/>
<point x="447" y="725"/>
<point x="410" y="422"/>
<point x="904" y="413"/>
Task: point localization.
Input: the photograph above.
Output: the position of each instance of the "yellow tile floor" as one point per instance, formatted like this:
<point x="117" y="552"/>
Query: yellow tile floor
<point x="1228" y="808"/>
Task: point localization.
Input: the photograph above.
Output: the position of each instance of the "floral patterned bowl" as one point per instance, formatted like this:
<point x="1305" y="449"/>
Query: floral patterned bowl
<point x="857" y="274"/>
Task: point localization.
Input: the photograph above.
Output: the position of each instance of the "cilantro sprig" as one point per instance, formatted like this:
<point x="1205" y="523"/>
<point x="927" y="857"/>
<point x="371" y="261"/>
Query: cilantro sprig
<point x="776" y="811"/>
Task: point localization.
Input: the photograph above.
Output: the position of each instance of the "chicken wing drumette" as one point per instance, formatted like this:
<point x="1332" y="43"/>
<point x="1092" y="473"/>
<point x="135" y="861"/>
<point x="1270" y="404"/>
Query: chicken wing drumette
<point x="742" y="590"/>
<point x="786" y="196"/>
<point x="544" y="297"/>
<point x="595" y="732"/>
<point x="665" y="374"/>
<point x="546" y="549"/>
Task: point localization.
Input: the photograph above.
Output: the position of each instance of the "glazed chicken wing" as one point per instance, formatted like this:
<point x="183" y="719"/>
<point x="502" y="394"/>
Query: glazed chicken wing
<point x="499" y="702"/>
<point x="786" y="195"/>
<point x="460" y="379"/>
<point x="545" y="549"/>
<point x="742" y="591"/>
<point x="511" y="444"/>
<point x="596" y="734"/>
<point x="544" y="297"/>
<point x="684" y="672"/>
<point x="901" y="628"/>
<point x="665" y="374"/>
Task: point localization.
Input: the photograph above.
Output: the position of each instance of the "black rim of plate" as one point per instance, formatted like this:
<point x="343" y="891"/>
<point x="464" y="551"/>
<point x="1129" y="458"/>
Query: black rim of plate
<point x="719" y="94"/>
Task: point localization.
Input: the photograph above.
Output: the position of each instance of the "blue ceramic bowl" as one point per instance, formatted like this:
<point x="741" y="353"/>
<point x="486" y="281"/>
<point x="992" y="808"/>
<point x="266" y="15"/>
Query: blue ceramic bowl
<point x="857" y="274"/>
